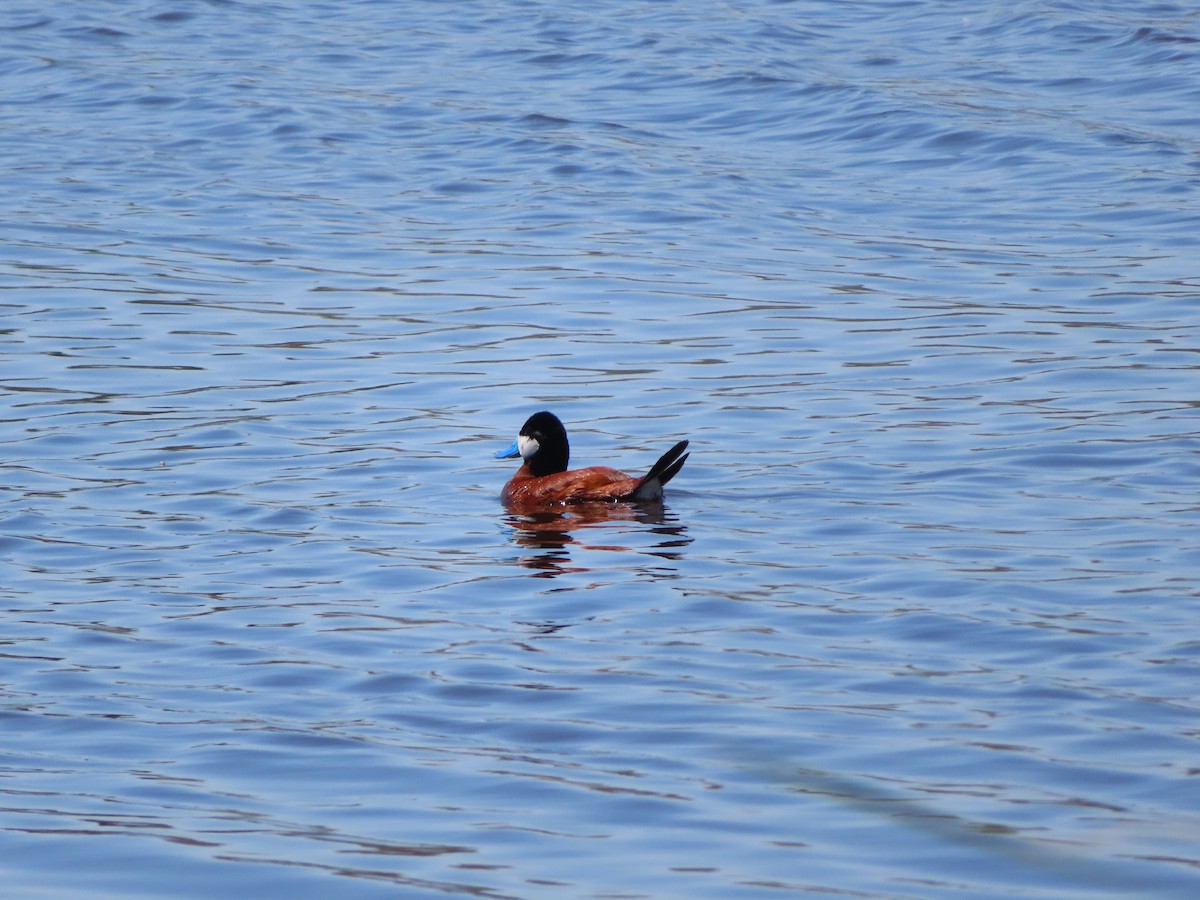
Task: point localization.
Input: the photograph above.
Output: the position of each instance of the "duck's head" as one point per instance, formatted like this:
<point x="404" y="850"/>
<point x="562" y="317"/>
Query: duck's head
<point x="542" y="444"/>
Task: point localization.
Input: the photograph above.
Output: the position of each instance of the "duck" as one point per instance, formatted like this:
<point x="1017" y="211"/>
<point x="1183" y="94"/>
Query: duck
<point x="544" y="480"/>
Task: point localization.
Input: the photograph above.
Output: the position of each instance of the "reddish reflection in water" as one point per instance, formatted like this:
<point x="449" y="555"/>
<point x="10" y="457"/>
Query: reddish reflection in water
<point x="550" y="533"/>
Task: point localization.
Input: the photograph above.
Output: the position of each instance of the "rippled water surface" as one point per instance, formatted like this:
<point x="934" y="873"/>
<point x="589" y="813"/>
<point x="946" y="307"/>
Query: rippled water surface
<point x="920" y="282"/>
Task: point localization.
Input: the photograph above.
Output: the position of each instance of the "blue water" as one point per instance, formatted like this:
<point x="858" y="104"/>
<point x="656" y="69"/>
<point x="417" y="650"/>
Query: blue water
<point x="921" y="283"/>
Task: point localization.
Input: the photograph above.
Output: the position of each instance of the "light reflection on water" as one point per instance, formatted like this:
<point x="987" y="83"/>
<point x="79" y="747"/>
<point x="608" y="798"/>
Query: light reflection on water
<point x="915" y="619"/>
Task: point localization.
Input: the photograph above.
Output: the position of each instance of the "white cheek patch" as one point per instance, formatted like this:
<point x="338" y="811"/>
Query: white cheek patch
<point x="528" y="446"/>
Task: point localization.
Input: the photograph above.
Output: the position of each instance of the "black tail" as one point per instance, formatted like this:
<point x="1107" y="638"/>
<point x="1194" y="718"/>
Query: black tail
<point x="667" y="467"/>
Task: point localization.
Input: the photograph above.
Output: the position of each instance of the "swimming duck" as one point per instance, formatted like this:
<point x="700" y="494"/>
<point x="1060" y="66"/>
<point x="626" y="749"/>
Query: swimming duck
<point x="543" y="479"/>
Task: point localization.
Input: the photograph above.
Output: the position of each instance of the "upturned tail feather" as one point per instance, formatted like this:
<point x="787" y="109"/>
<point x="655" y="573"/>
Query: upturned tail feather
<point x="667" y="467"/>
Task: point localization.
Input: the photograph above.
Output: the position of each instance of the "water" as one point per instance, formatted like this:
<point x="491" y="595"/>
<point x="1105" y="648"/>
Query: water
<point x="917" y="619"/>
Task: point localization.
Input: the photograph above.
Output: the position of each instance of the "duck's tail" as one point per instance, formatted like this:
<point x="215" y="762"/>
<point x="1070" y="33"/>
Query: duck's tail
<point x="667" y="467"/>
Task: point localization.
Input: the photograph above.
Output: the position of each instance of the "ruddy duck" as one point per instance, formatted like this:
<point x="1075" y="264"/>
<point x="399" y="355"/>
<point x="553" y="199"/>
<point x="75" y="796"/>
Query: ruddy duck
<point x="543" y="479"/>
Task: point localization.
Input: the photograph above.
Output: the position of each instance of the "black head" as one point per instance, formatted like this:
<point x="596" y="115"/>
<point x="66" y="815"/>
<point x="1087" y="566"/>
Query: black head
<point x="542" y="443"/>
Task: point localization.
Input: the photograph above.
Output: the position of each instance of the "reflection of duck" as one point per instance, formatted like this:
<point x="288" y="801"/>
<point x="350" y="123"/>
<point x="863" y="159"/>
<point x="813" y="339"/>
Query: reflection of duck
<point x="543" y="480"/>
<point x="551" y="533"/>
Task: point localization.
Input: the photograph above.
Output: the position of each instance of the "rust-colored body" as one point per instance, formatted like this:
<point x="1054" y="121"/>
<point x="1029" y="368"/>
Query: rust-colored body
<point x="578" y="486"/>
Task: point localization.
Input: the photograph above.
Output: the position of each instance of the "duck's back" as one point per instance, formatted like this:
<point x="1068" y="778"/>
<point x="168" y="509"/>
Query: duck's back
<point x="577" y="486"/>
